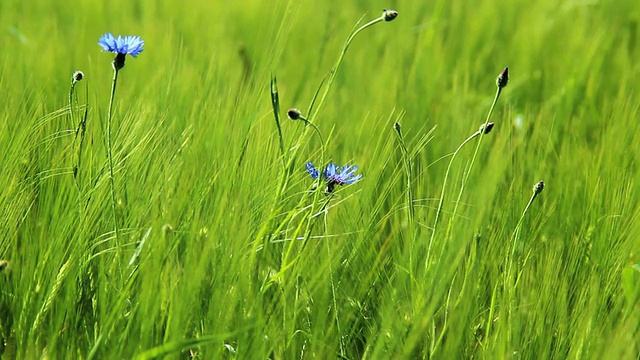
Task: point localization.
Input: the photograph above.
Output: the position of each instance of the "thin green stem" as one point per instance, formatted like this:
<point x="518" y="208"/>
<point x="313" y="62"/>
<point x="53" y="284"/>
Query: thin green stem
<point x="465" y="176"/>
<point x="315" y="95"/>
<point x="110" y="156"/>
<point x="71" y="90"/>
<point x="444" y="186"/>
<point x="508" y="278"/>
<point x="334" y="71"/>
<point x="516" y="232"/>
<point x="80" y="132"/>
<point x="408" y="168"/>
<point x="71" y="116"/>
<point x="317" y="131"/>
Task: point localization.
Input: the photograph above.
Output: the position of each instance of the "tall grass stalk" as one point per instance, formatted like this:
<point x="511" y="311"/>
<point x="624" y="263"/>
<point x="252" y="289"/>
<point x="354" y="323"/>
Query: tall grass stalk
<point x="537" y="189"/>
<point x="481" y="131"/>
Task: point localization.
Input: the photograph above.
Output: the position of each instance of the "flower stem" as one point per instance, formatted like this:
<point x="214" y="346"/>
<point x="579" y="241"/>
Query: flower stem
<point x="334" y="71"/>
<point x="110" y="157"/>
<point x="465" y="177"/>
<point x="408" y="166"/>
<point x="516" y="233"/>
<point x="71" y="90"/>
<point x="317" y="131"/>
<point x="444" y="186"/>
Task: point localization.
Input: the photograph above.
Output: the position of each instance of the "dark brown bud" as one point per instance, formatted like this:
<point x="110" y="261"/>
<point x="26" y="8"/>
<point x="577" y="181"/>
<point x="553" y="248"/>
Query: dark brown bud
<point x="295" y="114"/>
<point x="77" y="76"/>
<point x="537" y="188"/>
<point x="389" y="15"/>
<point x="487" y="129"/>
<point x="503" y="78"/>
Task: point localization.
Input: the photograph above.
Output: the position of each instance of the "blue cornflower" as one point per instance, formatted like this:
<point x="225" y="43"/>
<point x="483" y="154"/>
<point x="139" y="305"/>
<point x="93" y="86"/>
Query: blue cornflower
<point x="335" y="174"/>
<point x="128" y="45"/>
<point x="122" y="46"/>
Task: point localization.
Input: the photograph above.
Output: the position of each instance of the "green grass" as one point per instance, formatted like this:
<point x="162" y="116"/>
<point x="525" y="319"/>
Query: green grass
<point x="208" y="207"/>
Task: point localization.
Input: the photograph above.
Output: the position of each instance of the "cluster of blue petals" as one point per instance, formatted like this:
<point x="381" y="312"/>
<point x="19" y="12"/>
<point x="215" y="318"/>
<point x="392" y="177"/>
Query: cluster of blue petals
<point x="128" y="45"/>
<point x="335" y="174"/>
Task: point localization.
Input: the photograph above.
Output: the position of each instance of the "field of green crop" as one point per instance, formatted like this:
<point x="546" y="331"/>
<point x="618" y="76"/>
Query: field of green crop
<point x="184" y="224"/>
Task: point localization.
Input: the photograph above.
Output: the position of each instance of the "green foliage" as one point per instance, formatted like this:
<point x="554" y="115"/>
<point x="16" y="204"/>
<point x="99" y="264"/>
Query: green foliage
<point x="224" y="252"/>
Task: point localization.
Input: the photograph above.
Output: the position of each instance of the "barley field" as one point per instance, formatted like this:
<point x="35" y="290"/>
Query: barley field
<point x="320" y="180"/>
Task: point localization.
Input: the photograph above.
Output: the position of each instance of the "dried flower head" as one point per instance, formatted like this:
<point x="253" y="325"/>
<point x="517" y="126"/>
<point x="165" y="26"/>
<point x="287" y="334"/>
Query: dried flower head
<point x="389" y="15"/>
<point x="503" y="78"/>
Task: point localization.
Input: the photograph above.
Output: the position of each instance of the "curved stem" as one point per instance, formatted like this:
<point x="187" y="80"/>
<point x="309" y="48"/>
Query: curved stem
<point x="444" y="186"/>
<point x="465" y="177"/>
<point x="317" y="131"/>
<point x="339" y="62"/>
<point x="516" y="233"/>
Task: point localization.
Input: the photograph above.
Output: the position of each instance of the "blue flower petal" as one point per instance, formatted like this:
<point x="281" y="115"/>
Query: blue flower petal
<point x="330" y="173"/>
<point x="107" y="42"/>
<point x="348" y="170"/>
<point x="335" y="174"/>
<point x="311" y="170"/>
<point x="128" y="45"/>
<point x="353" y="179"/>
